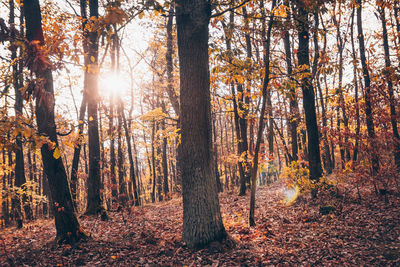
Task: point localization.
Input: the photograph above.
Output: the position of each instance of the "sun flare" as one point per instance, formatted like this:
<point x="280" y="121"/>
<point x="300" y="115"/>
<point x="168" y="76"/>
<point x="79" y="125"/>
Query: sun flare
<point x="113" y="84"/>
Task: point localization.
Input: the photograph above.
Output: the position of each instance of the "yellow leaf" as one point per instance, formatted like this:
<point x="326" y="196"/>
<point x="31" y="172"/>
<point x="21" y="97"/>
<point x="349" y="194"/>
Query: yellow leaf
<point x="92" y="58"/>
<point x="56" y="153"/>
<point x="90" y="118"/>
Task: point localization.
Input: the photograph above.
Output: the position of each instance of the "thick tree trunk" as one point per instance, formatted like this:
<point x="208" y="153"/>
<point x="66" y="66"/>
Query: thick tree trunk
<point x="314" y="158"/>
<point x="67" y="225"/>
<point x="202" y="222"/>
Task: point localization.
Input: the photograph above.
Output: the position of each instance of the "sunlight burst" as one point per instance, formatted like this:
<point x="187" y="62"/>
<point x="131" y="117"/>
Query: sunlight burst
<point x="113" y="84"/>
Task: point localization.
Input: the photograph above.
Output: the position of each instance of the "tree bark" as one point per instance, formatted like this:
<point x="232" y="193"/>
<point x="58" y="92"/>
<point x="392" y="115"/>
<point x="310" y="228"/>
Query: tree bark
<point x="67" y="225"/>
<point x="202" y="222"/>
<point x="314" y="158"/>
<point x="94" y="200"/>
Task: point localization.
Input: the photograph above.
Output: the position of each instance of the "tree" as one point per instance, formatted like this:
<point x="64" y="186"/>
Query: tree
<point x="388" y="73"/>
<point x="94" y="202"/>
<point x="19" y="172"/>
<point x="367" y="95"/>
<point x="202" y="222"/>
<point x="314" y="158"/>
<point x="67" y="225"/>
<point x="266" y="36"/>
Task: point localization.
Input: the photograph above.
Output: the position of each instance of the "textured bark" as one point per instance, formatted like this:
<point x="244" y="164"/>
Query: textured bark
<point x="67" y="225"/>
<point x="314" y="158"/>
<point x="202" y="222"/>
<point x="367" y="95"/>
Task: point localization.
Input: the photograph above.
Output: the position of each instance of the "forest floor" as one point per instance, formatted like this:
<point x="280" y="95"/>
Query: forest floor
<point x="365" y="233"/>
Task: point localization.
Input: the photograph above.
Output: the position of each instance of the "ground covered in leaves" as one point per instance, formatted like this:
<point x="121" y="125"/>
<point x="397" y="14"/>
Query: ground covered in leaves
<point x="349" y="233"/>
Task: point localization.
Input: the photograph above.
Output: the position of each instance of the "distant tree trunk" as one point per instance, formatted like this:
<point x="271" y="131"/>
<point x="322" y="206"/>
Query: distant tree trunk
<point x="240" y="125"/>
<point x="111" y="130"/>
<point x="367" y="95"/>
<point x="392" y="103"/>
<point x="153" y="162"/>
<point x="164" y="161"/>
<point x="172" y="95"/>
<point x="123" y="190"/>
<point x="202" y="222"/>
<point x="5" y="204"/>
<point x="266" y="38"/>
<point x="327" y="158"/>
<point x="19" y="166"/>
<point x="314" y="158"/>
<point x="355" y="82"/>
<point x="77" y="150"/>
<point x="67" y="225"/>
<point x="130" y="157"/>
<point x="215" y="149"/>
<point x="340" y="43"/>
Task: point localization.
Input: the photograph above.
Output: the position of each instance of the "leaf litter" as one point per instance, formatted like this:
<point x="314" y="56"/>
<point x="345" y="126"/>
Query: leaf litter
<point x="359" y="233"/>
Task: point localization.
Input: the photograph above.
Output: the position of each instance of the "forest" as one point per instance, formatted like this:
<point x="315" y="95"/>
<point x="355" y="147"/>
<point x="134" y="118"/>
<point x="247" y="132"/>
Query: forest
<point x="199" y="133"/>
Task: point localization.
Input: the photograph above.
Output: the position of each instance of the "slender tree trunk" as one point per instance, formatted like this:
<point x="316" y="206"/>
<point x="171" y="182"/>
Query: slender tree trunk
<point x="153" y="162"/>
<point x="392" y="101"/>
<point x="164" y="161"/>
<point x="123" y="190"/>
<point x="293" y="105"/>
<point x="130" y="157"/>
<point x="266" y="37"/>
<point x="77" y="150"/>
<point x="367" y="96"/>
<point x="67" y="225"/>
<point x="19" y="166"/>
<point x="94" y="200"/>
<point x="202" y="221"/>
<point x="5" y="204"/>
